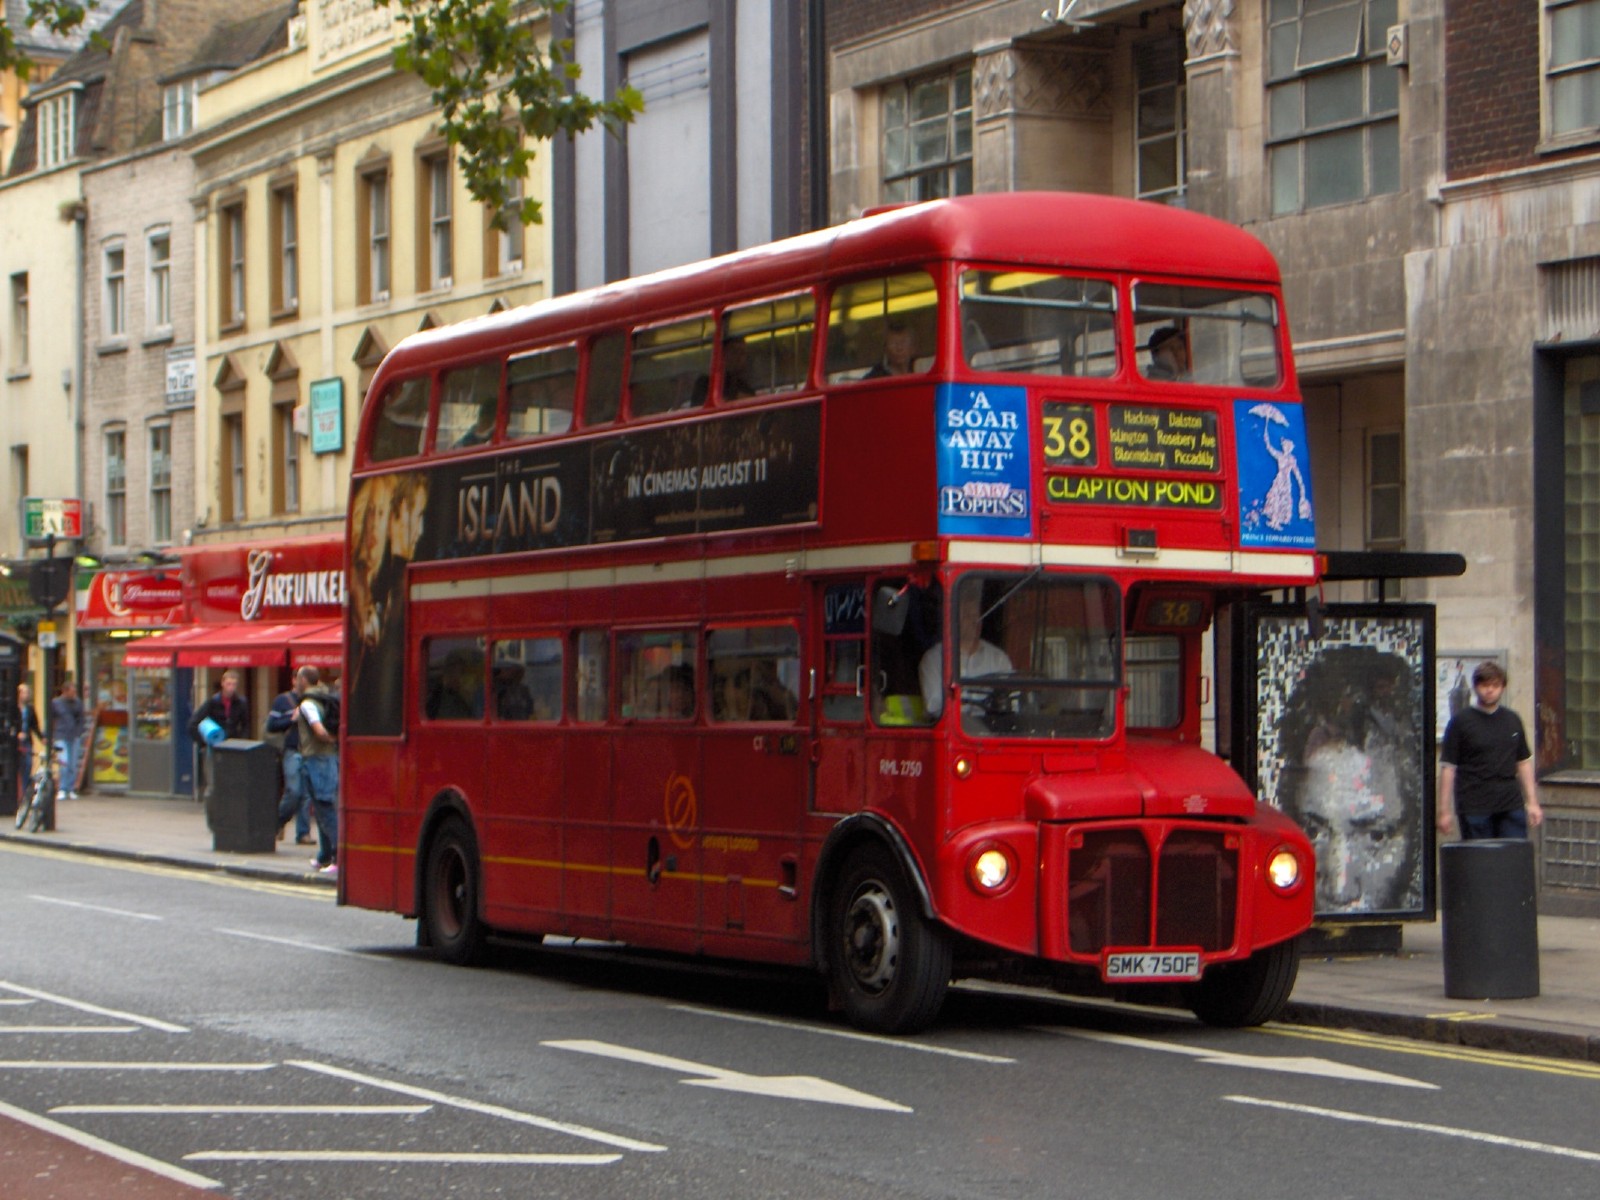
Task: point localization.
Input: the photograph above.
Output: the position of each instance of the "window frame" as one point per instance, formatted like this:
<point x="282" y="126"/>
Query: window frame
<point x="179" y="102"/>
<point x="1287" y="151"/>
<point x="231" y="259"/>
<point x="375" y="264"/>
<point x="114" y="475"/>
<point x="114" y="289"/>
<point x="285" y="230"/>
<point x="953" y="173"/>
<point x="57" y="121"/>
<point x="159" y="435"/>
<point x="1553" y="74"/>
<point x="435" y="222"/>
<point x="233" y="492"/>
<point x="158" y="280"/>
<point x="1374" y="486"/>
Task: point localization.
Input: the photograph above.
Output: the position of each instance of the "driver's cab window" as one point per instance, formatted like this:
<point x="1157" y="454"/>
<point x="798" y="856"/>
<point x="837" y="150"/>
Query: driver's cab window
<point x="905" y="633"/>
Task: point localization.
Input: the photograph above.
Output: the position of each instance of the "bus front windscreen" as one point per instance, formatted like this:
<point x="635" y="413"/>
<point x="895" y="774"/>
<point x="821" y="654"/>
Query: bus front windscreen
<point x="1040" y="655"/>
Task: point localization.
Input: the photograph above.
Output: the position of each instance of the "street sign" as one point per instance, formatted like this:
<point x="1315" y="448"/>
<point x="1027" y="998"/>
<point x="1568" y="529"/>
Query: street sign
<point x="45" y="517"/>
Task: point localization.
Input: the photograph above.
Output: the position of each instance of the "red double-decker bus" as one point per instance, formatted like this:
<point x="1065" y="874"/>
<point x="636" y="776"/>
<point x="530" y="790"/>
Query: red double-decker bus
<point x="840" y="603"/>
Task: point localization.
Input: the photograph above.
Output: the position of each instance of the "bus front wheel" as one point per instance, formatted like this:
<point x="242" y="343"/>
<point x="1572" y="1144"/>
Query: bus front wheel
<point x="888" y="964"/>
<point x="1252" y="992"/>
<point x="450" y="896"/>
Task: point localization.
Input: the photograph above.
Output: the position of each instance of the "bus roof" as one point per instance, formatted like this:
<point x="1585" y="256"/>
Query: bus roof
<point x="1048" y="229"/>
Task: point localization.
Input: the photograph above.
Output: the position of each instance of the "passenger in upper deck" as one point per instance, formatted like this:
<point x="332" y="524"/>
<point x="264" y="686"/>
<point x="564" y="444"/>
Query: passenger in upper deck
<point x="899" y="352"/>
<point x="1169" y="354"/>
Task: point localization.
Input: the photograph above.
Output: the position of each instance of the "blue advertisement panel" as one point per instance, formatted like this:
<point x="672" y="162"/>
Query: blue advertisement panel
<point x="1274" y="476"/>
<point x="983" y="460"/>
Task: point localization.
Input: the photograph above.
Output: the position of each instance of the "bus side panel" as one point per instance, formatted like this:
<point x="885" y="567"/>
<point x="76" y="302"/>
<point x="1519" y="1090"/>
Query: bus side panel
<point x="755" y="783"/>
<point x="522" y="822"/>
<point x="586" y="834"/>
<point x="377" y="859"/>
<point x="656" y="863"/>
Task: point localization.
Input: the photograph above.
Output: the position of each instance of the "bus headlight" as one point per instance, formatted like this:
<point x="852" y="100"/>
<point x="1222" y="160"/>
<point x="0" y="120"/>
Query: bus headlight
<point x="1283" y="869"/>
<point x="990" y="869"/>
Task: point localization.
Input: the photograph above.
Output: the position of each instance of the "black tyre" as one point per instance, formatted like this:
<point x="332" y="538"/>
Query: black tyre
<point x="450" y="896"/>
<point x="1250" y="992"/>
<point x="888" y="964"/>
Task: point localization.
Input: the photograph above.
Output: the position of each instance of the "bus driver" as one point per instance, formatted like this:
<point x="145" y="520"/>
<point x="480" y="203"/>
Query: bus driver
<point x="977" y="657"/>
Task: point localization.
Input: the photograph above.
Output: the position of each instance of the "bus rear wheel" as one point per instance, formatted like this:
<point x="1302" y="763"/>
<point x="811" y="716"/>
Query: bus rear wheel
<point x="888" y="964"/>
<point x="1252" y="992"/>
<point x="450" y="896"/>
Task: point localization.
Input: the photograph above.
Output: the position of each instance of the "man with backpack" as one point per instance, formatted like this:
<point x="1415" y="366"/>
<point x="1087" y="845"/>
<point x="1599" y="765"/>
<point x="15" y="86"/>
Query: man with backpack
<point x="317" y="717"/>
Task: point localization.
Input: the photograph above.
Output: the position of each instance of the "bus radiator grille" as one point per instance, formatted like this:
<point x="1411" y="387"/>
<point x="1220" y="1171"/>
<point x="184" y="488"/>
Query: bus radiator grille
<point x="1198" y="889"/>
<point x="1112" y="880"/>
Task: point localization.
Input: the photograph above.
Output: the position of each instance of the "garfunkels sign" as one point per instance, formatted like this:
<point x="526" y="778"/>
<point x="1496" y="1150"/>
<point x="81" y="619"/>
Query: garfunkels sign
<point x="291" y="581"/>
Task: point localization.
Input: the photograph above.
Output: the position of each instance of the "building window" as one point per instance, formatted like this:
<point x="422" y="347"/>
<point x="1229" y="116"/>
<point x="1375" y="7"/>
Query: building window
<point x="285" y="251"/>
<point x="1386" y="489"/>
<point x="1333" y="123"/>
<point x="927" y="137"/>
<point x="289" y="457"/>
<point x="435" y="261"/>
<point x="160" y="483"/>
<point x="177" y="108"/>
<point x="232" y="259"/>
<point x="503" y="247"/>
<point x="158" y="301"/>
<point x="1581" y="447"/>
<point x="1161" y="132"/>
<point x="233" y="467"/>
<point x="58" y="118"/>
<point x="117" y="487"/>
<point x="115" y="314"/>
<point x="19" y="322"/>
<point x="374" y="237"/>
<point x="1572" y="78"/>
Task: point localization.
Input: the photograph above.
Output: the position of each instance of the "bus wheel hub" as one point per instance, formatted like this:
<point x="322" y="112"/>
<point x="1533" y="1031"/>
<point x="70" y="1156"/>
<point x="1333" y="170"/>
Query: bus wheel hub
<point x="872" y="938"/>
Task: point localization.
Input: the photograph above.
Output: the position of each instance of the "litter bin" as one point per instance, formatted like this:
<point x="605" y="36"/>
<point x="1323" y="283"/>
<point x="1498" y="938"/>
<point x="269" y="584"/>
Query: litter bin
<point x="242" y="806"/>
<point x="1491" y="920"/>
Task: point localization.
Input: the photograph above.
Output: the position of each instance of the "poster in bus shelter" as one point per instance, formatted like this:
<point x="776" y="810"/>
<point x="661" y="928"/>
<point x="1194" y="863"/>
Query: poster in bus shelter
<point x="751" y="470"/>
<point x="1275" y="508"/>
<point x="1343" y="731"/>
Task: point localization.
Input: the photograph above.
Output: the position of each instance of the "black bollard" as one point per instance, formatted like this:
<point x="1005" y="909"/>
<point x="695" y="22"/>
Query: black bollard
<point x="1491" y="920"/>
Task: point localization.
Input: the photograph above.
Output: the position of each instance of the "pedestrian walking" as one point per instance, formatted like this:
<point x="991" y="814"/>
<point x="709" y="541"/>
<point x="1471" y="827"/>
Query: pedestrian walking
<point x="1486" y="779"/>
<point x="319" y="762"/>
<point x="283" y="728"/>
<point x="28" y="731"/>
<point x="66" y="732"/>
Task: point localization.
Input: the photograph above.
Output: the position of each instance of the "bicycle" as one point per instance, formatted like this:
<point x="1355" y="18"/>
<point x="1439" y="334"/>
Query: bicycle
<point x="41" y="796"/>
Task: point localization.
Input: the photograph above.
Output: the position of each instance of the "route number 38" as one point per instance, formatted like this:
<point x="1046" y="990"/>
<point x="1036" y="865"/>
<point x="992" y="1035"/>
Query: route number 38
<point x="1069" y="435"/>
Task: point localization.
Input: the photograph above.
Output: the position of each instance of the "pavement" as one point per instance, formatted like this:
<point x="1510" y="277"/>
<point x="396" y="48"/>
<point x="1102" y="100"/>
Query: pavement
<point x="1397" y="992"/>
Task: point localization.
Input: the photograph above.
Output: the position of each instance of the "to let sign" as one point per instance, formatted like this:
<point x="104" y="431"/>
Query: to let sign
<point x="45" y="517"/>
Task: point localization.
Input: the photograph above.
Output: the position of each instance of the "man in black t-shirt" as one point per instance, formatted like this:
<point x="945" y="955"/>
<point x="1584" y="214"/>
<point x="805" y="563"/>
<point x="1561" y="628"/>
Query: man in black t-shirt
<point x="1486" y="766"/>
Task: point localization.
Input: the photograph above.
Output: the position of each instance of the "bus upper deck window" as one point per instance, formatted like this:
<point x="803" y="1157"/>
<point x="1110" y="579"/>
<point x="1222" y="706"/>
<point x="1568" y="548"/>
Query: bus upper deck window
<point x="766" y="347"/>
<point x="1036" y="323"/>
<point x="882" y="327"/>
<point x="469" y="406"/>
<point x="402" y="421"/>
<point x="602" y="391"/>
<point x="670" y="367"/>
<point x="1219" y="336"/>
<point x="541" y="389"/>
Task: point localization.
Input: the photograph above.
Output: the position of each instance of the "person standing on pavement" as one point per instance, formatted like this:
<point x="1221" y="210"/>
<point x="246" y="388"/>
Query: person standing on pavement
<point x="66" y="731"/>
<point x="1486" y="779"/>
<point x="228" y="709"/>
<point x="28" y="731"/>
<point x="294" y="804"/>
<point x="319" y="764"/>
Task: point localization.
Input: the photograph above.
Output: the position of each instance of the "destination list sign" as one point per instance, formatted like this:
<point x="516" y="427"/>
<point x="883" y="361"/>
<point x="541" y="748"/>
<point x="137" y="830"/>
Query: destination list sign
<point x="1163" y="439"/>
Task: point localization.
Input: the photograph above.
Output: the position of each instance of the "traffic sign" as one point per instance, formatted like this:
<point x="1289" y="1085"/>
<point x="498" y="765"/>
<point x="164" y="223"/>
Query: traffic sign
<point x="46" y="516"/>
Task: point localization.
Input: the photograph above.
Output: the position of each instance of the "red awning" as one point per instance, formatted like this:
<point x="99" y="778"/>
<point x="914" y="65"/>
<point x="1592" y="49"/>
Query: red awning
<point x="321" y="646"/>
<point x="156" y="651"/>
<point x="243" y="644"/>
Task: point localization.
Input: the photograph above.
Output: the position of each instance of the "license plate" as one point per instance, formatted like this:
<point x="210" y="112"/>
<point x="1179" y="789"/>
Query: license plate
<point x="1150" y="964"/>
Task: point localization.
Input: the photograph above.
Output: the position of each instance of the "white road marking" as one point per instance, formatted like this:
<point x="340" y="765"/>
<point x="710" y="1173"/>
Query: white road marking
<point x="1492" y="1139"/>
<point x="4" y="1000"/>
<point x="1321" y="1067"/>
<point x="100" y="908"/>
<point x="273" y="1110"/>
<point x="114" y="1065"/>
<point x="299" y="945"/>
<point x="379" y="1156"/>
<point x="69" y="1029"/>
<point x="491" y="1110"/>
<point x="110" y="1149"/>
<point x="83" y="1006"/>
<point x="785" y="1087"/>
<point x="848" y="1034"/>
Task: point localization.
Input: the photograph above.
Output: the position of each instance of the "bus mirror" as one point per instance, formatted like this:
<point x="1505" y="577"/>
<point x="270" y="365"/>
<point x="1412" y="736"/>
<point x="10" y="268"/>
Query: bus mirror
<point x="889" y="608"/>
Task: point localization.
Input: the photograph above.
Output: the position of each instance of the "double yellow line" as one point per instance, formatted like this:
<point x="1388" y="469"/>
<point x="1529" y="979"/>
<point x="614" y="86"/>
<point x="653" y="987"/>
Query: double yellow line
<point x="1576" y="1067"/>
